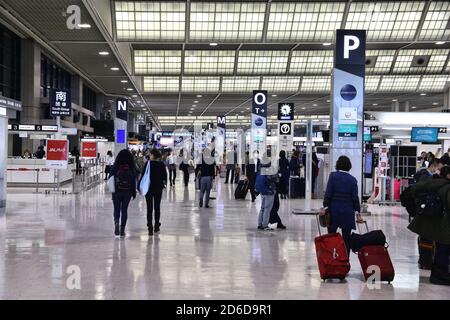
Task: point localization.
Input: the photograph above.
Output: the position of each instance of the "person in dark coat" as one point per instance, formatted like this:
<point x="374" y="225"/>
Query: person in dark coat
<point x="158" y="181"/>
<point x="436" y="228"/>
<point x="294" y="164"/>
<point x="125" y="176"/>
<point x="283" y="169"/>
<point x="251" y="171"/>
<point x="274" y="216"/>
<point x="314" y="169"/>
<point x="342" y="200"/>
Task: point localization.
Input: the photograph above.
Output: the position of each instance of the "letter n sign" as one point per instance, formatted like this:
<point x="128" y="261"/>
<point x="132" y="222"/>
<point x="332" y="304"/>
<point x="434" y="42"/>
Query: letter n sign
<point x="122" y="109"/>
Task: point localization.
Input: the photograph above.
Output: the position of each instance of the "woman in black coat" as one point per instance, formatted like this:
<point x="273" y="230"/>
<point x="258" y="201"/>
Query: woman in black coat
<point x="252" y="170"/>
<point x="158" y="181"/>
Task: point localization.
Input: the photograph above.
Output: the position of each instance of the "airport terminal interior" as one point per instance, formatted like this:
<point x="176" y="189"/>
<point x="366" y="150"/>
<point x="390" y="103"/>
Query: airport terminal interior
<point x="298" y="150"/>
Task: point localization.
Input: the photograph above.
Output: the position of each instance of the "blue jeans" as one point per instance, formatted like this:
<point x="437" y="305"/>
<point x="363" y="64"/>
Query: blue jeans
<point x="121" y="200"/>
<point x="205" y="187"/>
<point x="266" y="207"/>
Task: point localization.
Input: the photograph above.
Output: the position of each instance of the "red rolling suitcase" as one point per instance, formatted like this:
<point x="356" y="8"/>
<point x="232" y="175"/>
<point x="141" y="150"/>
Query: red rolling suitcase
<point x="332" y="255"/>
<point x="378" y="256"/>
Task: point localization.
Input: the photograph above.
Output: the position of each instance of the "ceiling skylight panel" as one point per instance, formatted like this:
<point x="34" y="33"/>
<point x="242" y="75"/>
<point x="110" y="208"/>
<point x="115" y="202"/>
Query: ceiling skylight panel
<point x="304" y="21"/>
<point x="240" y="84"/>
<point x="226" y="21"/>
<point x="262" y="62"/>
<point x="281" y="84"/>
<point x="399" y="83"/>
<point x="386" y="20"/>
<point x="433" y="83"/>
<point x="311" y="62"/>
<point x="161" y="84"/>
<point x="371" y="83"/>
<point x="157" y="62"/>
<point x="380" y="61"/>
<point x="315" y="84"/>
<point x="435" y="25"/>
<point x="421" y="61"/>
<point x="209" y="61"/>
<point x="200" y="84"/>
<point x="150" y="20"/>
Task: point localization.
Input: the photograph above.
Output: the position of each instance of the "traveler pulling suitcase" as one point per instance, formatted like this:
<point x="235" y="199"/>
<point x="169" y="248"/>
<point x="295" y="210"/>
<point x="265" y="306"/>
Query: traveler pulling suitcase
<point x="241" y="189"/>
<point x="376" y="255"/>
<point x="332" y="255"/>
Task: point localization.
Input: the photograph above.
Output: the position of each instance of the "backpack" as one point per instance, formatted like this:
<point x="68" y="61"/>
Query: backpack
<point x="123" y="179"/>
<point x="429" y="204"/>
<point x="408" y="201"/>
<point x="421" y="175"/>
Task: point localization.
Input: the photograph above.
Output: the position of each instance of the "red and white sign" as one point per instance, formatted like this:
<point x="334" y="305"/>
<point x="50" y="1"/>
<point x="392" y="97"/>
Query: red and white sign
<point x="57" y="154"/>
<point x="89" y="150"/>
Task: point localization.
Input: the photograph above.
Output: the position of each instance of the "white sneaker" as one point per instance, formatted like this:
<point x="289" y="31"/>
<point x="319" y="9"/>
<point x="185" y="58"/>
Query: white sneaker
<point x="268" y="229"/>
<point x="273" y="225"/>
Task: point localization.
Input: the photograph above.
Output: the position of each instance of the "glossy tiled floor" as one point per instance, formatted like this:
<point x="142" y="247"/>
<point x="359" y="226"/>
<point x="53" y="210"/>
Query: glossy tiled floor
<point x="200" y="254"/>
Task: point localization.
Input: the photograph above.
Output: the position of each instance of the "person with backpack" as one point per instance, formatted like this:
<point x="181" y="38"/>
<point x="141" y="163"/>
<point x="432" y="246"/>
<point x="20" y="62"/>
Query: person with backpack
<point x="432" y="221"/>
<point x="158" y="181"/>
<point x="207" y="174"/>
<point x="342" y="201"/>
<point x="266" y="186"/>
<point x="124" y="174"/>
<point x="427" y="173"/>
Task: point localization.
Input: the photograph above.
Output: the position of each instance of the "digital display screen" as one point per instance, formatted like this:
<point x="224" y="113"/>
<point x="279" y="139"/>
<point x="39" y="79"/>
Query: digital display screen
<point x="120" y="136"/>
<point x="424" y="134"/>
<point x="369" y="162"/>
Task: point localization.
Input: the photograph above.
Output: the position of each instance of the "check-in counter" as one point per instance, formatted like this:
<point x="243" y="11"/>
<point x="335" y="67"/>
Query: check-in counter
<point x="25" y="171"/>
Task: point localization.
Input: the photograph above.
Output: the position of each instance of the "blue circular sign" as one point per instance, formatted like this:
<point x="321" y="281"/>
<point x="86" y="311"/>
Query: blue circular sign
<point x="259" y="122"/>
<point x="348" y="92"/>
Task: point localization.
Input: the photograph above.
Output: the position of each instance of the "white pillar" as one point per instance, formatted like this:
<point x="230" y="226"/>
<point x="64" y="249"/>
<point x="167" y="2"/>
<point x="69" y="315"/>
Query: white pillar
<point x="406" y="106"/>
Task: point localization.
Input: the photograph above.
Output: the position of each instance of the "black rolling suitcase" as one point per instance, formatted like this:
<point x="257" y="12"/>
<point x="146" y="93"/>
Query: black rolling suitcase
<point x="241" y="189"/>
<point x="296" y="187"/>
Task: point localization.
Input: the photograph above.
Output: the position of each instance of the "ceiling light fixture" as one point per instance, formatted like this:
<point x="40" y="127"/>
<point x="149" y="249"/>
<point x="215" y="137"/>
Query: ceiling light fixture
<point x="274" y="95"/>
<point x="84" y="25"/>
<point x="394" y="100"/>
<point x="414" y="107"/>
<point x="213" y="44"/>
<point x="374" y="104"/>
<point x="103" y="53"/>
<point x="328" y="100"/>
<point x="303" y="108"/>
<point x="315" y="105"/>
<point x="124" y="81"/>
<point x="129" y="89"/>
<point x="326" y="44"/>
<point x="435" y="103"/>
<point x="134" y="95"/>
<point x="114" y="69"/>
<point x="199" y="96"/>
<point x="439" y="43"/>
<point x="423" y="94"/>
<point x="196" y="101"/>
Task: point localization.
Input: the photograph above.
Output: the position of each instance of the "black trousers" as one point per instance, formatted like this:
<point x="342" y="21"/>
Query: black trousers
<point x="153" y="199"/>
<point x="346" y="233"/>
<point x="172" y="175"/>
<point x="253" y="194"/>
<point x="186" y="177"/>
<point x="274" y="217"/>
<point x="228" y="174"/>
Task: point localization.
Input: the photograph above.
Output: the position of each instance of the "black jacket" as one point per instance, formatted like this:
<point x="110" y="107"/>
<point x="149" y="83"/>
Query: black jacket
<point x="158" y="175"/>
<point x="113" y="172"/>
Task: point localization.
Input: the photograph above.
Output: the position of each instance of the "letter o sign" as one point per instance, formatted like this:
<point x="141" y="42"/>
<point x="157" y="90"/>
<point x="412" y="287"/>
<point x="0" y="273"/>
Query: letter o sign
<point x="260" y="98"/>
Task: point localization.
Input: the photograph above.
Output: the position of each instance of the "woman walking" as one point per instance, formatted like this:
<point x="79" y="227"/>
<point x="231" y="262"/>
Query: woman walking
<point x="342" y="200"/>
<point x="158" y="181"/>
<point x="283" y="169"/>
<point x="124" y="175"/>
<point x="108" y="163"/>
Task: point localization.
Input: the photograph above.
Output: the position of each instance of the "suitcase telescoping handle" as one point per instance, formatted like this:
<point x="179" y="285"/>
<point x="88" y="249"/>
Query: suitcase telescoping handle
<point x="362" y="222"/>
<point x="318" y="224"/>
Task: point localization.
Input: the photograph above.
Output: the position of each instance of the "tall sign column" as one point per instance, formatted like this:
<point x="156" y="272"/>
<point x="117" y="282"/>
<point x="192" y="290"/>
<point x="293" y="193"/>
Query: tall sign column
<point x="259" y="122"/>
<point x="120" y="125"/>
<point x="220" y="138"/>
<point x="347" y="105"/>
<point x="285" y="127"/>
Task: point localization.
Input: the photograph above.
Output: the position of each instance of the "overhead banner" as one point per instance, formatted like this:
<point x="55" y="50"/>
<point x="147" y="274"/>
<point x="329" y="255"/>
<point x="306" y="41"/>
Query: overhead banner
<point x="60" y="103"/>
<point x="259" y="122"/>
<point x="88" y="150"/>
<point x="57" y="154"/>
<point x="347" y="106"/>
<point x="220" y="138"/>
<point x="285" y="126"/>
<point x="122" y="109"/>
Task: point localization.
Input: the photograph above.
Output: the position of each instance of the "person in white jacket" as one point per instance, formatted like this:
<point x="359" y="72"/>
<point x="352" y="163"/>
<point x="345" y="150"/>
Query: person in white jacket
<point x="109" y="163"/>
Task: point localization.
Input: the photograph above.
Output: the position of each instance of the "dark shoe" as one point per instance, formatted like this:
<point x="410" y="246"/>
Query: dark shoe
<point x="207" y="206"/>
<point x="440" y="277"/>
<point x="260" y="228"/>
<point x="150" y="231"/>
<point x="122" y="231"/>
<point x="281" y="226"/>
<point x="116" y="230"/>
<point x="253" y="200"/>
<point x="156" y="229"/>
<point x="200" y="204"/>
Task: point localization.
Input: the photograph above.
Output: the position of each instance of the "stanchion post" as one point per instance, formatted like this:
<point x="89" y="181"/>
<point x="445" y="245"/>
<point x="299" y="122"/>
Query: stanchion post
<point x="37" y="180"/>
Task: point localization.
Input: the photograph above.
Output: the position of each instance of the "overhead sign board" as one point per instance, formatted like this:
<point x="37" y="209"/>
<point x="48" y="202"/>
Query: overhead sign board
<point x="9" y="103"/>
<point x="122" y="109"/>
<point x="285" y="111"/>
<point x="32" y="127"/>
<point x="60" y="103"/>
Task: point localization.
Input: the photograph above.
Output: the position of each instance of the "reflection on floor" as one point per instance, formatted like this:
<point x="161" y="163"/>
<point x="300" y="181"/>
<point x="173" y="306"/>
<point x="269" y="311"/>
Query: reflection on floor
<point x="200" y="253"/>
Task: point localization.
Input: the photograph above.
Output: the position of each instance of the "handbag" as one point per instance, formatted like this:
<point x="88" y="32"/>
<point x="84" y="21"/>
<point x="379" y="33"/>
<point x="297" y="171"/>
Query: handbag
<point x="325" y="219"/>
<point x="144" y="185"/>
<point x="111" y="184"/>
